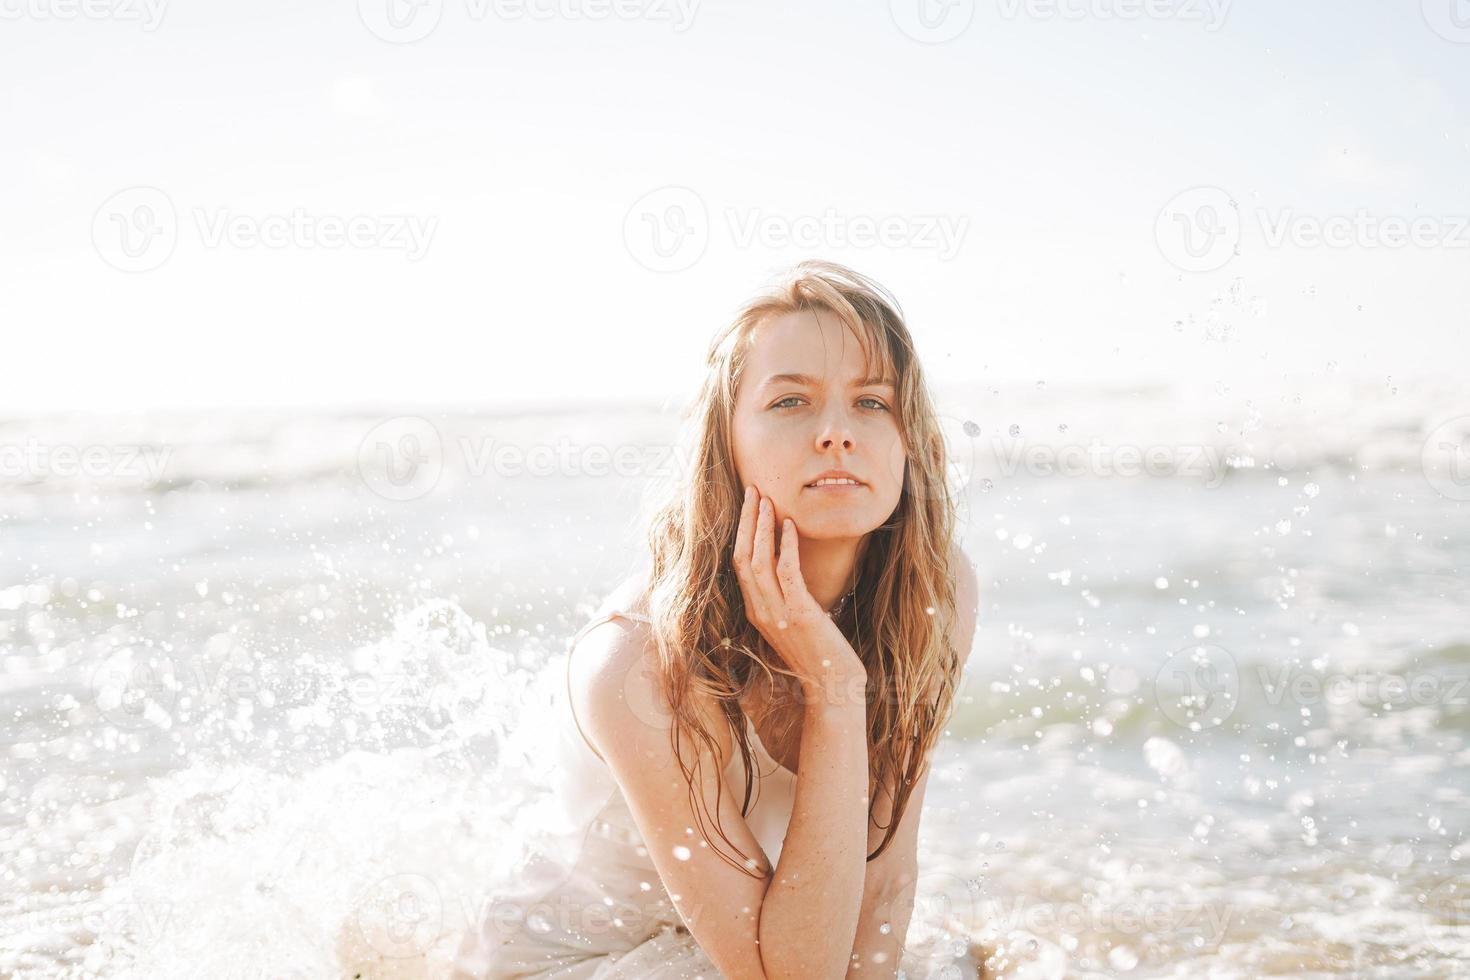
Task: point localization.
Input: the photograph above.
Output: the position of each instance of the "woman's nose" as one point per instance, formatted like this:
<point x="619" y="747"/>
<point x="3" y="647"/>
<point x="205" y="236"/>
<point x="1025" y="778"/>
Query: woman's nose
<point x="836" y="428"/>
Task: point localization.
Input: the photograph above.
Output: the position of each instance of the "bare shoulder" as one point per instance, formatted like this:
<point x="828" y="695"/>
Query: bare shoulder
<point x="630" y="594"/>
<point x="616" y="689"/>
<point x="967" y="601"/>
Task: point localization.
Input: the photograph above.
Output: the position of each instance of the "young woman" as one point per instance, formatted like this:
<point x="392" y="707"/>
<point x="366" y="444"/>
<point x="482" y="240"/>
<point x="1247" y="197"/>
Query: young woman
<point x="748" y="725"/>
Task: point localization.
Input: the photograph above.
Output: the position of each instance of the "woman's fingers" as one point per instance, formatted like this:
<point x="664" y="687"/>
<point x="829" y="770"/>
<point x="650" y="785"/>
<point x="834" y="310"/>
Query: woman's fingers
<point x="745" y="532"/>
<point x="763" y="558"/>
<point x="788" y="567"/>
<point x="747" y="549"/>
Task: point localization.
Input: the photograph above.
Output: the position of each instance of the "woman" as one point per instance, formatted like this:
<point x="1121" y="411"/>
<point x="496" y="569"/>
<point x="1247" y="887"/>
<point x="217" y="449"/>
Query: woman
<point x="748" y="725"/>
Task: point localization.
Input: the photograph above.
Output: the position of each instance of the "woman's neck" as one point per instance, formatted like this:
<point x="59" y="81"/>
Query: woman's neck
<point x="829" y="567"/>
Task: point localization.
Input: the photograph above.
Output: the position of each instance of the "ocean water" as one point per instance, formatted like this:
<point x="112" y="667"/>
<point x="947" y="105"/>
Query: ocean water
<point x="271" y="683"/>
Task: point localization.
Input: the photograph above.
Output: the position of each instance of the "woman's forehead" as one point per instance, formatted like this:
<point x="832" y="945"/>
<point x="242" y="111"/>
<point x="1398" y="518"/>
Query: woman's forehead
<point x="818" y="346"/>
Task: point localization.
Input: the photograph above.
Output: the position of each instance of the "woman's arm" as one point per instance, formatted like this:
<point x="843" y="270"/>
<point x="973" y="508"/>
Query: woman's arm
<point x="891" y="881"/>
<point x="810" y="914"/>
<point x="889" y="887"/>
<point x="798" y="924"/>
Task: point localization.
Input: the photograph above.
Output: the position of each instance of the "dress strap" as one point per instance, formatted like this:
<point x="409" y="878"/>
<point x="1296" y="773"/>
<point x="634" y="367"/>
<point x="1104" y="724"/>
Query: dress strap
<point x="571" y="645"/>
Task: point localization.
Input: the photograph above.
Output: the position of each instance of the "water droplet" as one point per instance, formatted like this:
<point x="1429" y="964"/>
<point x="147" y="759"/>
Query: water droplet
<point x="1122" y="958"/>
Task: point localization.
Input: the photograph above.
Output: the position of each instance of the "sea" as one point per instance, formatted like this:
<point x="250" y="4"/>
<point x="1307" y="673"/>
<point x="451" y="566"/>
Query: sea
<point x="272" y="682"/>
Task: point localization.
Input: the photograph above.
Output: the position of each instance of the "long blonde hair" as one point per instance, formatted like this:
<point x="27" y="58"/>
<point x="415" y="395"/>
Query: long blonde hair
<point x="899" y="618"/>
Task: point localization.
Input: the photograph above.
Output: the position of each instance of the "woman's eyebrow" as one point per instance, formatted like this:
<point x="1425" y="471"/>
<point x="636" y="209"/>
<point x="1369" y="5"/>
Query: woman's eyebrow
<point x="811" y="382"/>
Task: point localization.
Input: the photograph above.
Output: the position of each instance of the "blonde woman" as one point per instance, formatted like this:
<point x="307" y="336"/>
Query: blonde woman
<point x="746" y="736"/>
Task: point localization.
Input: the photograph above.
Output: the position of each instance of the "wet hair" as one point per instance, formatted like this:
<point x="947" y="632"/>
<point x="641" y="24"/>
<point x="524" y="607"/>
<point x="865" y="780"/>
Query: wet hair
<point x="900" y="618"/>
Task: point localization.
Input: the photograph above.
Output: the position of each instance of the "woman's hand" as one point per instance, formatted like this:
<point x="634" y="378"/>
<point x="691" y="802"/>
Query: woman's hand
<point x="778" y="604"/>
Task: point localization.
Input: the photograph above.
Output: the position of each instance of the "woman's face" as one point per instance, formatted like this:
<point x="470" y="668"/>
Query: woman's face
<point x="789" y="431"/>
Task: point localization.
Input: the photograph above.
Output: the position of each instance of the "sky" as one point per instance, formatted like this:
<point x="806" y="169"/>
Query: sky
<point x="474" y="203"/>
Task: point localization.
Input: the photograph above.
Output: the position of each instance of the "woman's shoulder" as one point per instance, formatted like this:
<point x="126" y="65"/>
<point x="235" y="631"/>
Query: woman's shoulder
<point x="615" y="680"/>
<point x="630" y="595"/>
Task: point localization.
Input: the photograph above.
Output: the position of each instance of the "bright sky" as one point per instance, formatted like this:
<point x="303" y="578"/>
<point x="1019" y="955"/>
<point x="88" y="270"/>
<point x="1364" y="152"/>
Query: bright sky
<point x="507" y="248"/>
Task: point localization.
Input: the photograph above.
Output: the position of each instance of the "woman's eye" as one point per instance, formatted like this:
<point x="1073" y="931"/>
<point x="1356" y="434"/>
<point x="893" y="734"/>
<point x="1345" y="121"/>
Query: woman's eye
<point x="875" y="404"/>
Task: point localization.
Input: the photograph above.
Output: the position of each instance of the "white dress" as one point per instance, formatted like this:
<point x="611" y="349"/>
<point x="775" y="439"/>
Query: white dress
<point x="587" y="902"/>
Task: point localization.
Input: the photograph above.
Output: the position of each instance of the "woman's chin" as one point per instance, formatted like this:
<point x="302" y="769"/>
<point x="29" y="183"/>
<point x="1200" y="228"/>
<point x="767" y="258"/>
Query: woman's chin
<point x="813" y="525"/>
